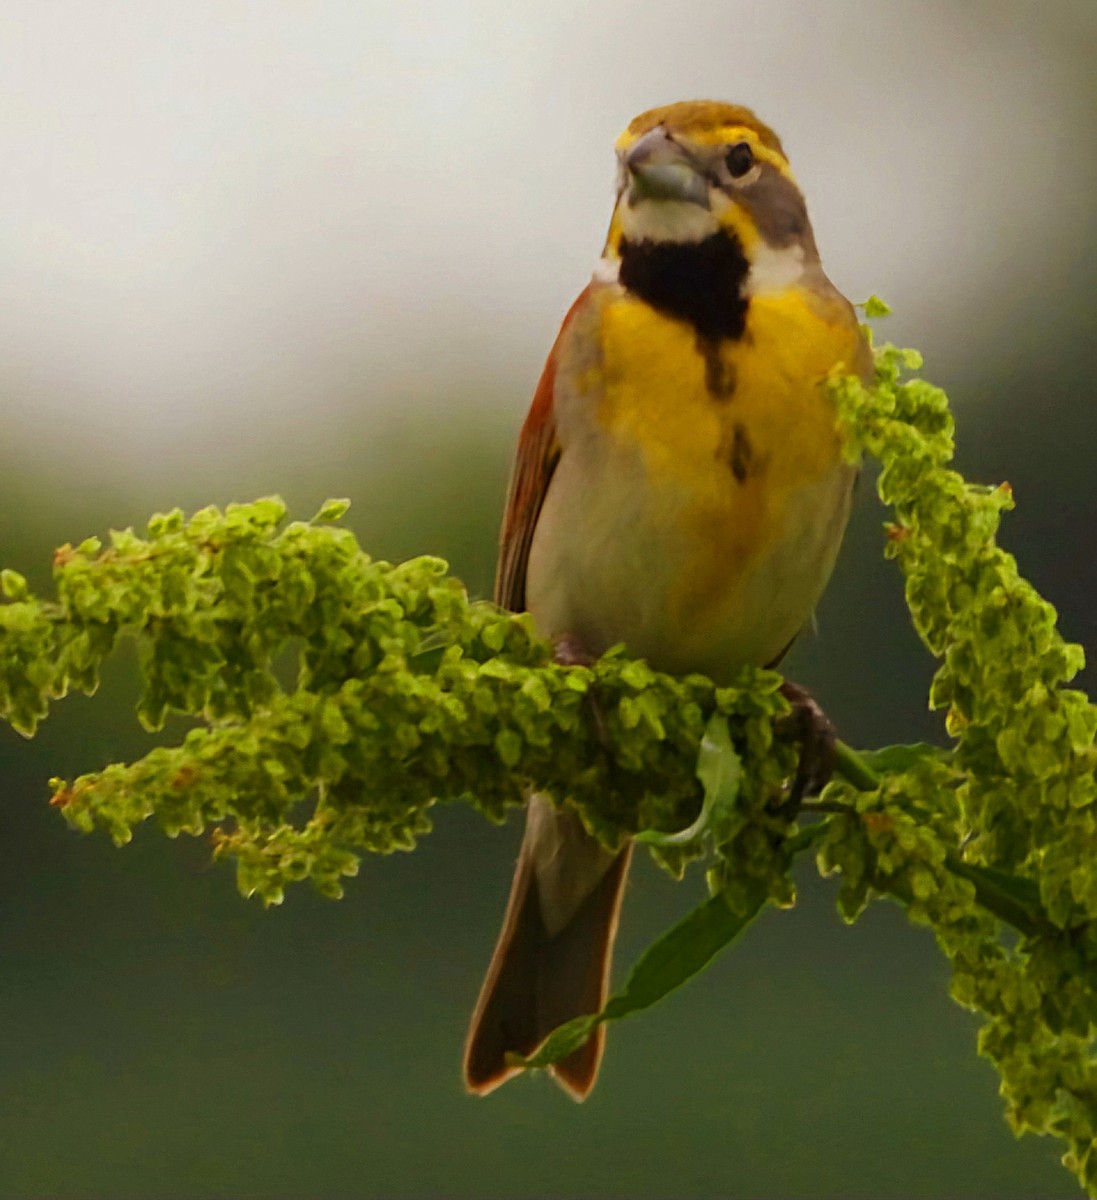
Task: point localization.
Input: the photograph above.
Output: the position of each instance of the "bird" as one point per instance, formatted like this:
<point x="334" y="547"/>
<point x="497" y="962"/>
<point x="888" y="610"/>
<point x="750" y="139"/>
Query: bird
<point x="680" y="488"/>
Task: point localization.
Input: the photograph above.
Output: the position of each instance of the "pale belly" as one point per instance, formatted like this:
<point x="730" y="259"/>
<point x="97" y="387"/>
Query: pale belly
<point x="619" y="558"/>
<point x="699" y="532"/>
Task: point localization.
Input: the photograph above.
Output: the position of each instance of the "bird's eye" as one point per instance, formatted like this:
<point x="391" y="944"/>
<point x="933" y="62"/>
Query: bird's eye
<point x="740" y="159"/>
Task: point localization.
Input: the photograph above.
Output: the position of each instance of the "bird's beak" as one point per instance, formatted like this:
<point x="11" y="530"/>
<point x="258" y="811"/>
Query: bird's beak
<point x="660" y="169"/>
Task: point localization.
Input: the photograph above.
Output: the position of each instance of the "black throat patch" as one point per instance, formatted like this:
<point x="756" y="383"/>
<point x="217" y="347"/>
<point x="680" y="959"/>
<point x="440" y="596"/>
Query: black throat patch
<point x="699" y="282"/>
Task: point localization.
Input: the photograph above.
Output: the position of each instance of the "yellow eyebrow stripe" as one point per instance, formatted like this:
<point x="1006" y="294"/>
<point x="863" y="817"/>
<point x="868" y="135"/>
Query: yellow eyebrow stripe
<point x="724" y="135"/>
<point x="730" y="134"/>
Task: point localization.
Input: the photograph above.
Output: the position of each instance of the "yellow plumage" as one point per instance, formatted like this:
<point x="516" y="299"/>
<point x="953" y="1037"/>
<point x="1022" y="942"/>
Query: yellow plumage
<point x="659" y="395"/>
<point x="657" y="389"/>
<point x="701" y="495"/>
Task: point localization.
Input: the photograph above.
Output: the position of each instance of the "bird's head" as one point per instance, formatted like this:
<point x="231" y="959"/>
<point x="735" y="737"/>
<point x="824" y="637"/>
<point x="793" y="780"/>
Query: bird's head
<point x="698" y="171"/>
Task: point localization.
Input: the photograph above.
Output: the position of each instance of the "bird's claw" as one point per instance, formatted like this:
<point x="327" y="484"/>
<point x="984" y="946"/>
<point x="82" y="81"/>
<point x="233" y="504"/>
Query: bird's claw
<point x="816" y="736"/>
<point x="569" y="651"/>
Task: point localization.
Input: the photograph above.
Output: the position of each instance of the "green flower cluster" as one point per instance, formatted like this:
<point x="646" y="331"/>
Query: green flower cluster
<point x="337" y="699"/>
<point x="404" y="693"/>
<point x="1005" y="827"/>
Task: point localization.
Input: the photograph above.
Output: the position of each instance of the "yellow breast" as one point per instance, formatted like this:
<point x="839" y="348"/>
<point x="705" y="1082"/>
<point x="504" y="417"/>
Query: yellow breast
<point x="744" y="427"/>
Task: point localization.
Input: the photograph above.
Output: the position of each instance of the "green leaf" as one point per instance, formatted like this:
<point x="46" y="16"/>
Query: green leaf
<point x="13" y="585"/>
<point x="875" y="307"/>
<point x="720" y="770"/>
<point x="1011" y="898"/>
<point x="564" y="1040"/>
<point x="676" y="957"/>
<point x="331" y="510"/>
<point x="902" y="757"/>
<point x="508" y="746"/>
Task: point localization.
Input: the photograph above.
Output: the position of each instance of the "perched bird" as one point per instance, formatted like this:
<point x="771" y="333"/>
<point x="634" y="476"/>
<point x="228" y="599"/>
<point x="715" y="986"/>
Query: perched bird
<point x="679" y="487"/>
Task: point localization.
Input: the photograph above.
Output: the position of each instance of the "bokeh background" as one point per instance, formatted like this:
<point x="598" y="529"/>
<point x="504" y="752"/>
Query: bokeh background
<point x="321" y="250"/>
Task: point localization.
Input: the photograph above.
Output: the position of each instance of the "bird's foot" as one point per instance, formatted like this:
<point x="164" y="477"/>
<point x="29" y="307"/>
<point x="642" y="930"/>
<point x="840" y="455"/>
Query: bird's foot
<point x="568" y="650"/>
<point x="816" y="736"/>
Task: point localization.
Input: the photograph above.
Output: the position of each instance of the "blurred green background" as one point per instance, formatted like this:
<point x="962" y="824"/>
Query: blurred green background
<point x="322" y="250"/>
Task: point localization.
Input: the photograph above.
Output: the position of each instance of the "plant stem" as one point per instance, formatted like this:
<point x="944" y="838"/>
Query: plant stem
<point x="853" y="768"/>
<point x="996" y="892"/>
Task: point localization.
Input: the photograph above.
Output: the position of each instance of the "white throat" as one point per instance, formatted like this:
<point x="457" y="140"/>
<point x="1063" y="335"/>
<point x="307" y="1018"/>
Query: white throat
<point x="667" y="221"/>
<point x="773" y="269"/>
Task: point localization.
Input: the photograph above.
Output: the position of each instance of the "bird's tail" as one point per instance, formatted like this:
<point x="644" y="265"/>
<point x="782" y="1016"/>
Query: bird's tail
<point x="553" y="956"/>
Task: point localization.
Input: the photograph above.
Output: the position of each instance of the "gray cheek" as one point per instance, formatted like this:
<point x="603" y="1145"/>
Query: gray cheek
<point x="777" y="207"/>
